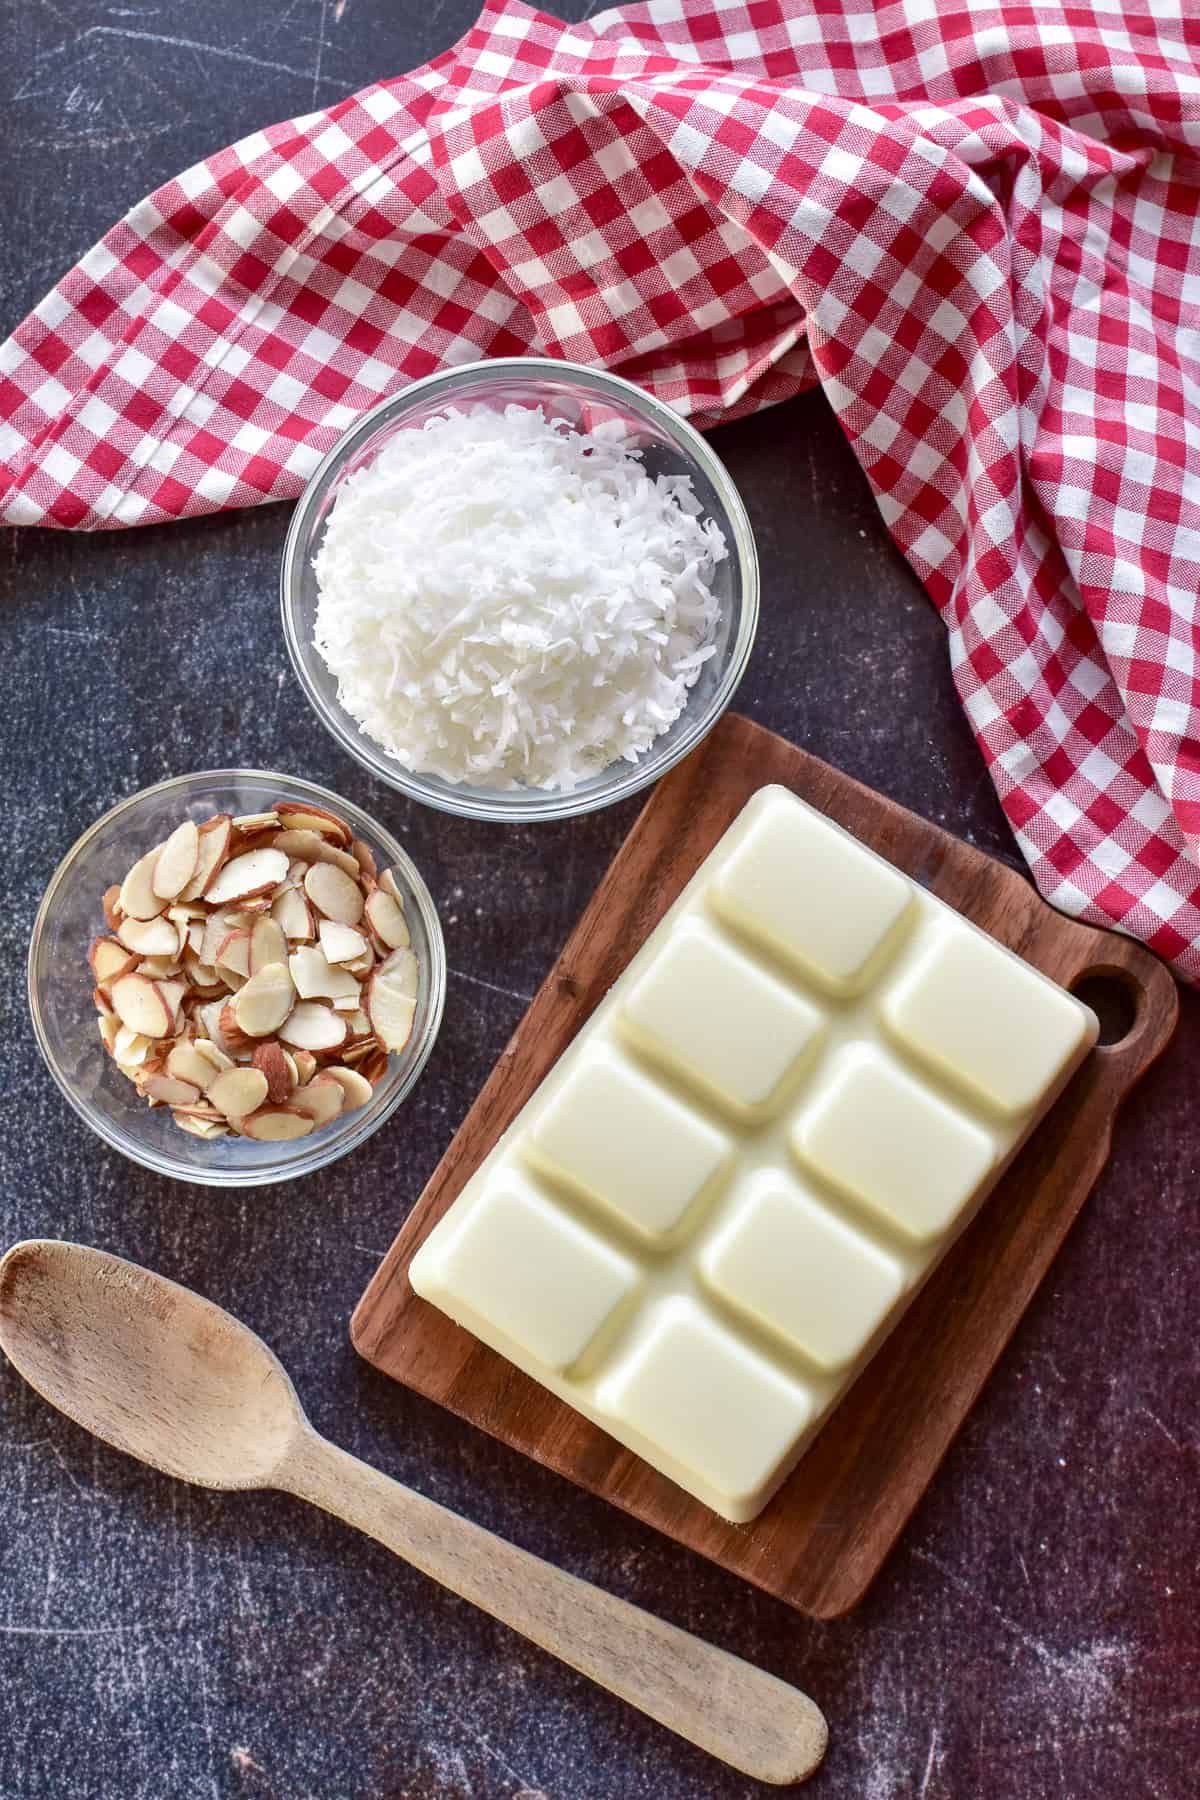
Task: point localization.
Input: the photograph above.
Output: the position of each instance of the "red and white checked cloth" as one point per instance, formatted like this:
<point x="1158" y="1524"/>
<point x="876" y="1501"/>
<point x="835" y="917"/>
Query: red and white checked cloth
<point x="975" y="225"/>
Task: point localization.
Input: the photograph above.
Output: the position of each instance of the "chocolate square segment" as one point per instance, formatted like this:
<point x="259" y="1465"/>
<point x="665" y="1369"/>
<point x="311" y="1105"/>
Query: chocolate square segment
<point x="718" y="1019"/>
<point x="814" y="896"/>
<point x="985" y="1021"/>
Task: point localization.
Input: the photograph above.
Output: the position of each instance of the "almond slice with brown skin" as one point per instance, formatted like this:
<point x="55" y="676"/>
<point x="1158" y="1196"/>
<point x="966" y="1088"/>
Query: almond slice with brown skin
<point x="265" y="1002"/>
<point x="140" y="1005"/>
<point x="177" y="861"/>
<point x="158" y="968"/>
<point x="212" y="1053"/>
<point x="386" y="918"/>
<point x="233" y="1038"/>
<point x="109" y="958"/>
<point x="334" y="894"/>
<point x="278" y="1068"/>
<point x="259" y="821"/>
<point x="185" y="1063"/>
<point x="313" y="1027"/>
<point x="341" y="943"/>
<point x="138" y="899"/>
<point x="358" y="1053"/>
<point x="390" y="885"/>
<point x="238" y="1092"/>
<point x="110" y="1029"/>
<point x="276" y="1124"/>
<point x="305" y="1065"/>
<point x="309" y="847"/>
<point x="233" y="953"/>
<point x="391" y="1000"/>
<point x="110" y="903"/>
<point x="210" y="1019"/>
<point x="201" y="1128"/>
<point x="364" y="856"/>
<point x="149" y="937"/>
<point x="170" y="1090"/>
<point x="316" y="978"/>
<point x="356" y="1089"/>
<point x="213" y="848"/>
<point x="294" y="916"/>
<point x="374" y="1067"/>
<point x="245" y="877"/>
<point x="322" y="1099"/>
<point x="100" y="1002"/>
<point x="267" y="943"/>
<point x="297" y="817"/>
<point x="174" y="993"/>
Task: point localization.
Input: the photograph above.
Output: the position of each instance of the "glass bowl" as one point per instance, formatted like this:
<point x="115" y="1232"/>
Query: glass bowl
<point x="64" y="1017"/>
<point x="586" y="397"/>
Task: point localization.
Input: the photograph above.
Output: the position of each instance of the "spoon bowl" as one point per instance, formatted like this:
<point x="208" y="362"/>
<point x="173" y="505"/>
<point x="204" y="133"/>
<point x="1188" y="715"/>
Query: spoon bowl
<point x="150" y="1367"/>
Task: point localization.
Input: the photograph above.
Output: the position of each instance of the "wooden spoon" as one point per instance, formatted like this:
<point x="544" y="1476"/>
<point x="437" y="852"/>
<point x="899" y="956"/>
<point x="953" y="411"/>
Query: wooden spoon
<point x="177" y="1382"/>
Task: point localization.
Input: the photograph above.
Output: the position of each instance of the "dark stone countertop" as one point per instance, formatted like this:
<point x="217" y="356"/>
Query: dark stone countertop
<point x="1035" y="1636"/>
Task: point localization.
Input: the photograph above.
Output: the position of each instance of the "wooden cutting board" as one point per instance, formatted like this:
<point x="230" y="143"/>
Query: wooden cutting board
<point x="824" y="1537"/>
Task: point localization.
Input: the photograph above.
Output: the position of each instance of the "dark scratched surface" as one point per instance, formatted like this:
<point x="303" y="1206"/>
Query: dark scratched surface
<point x="1036" y="1635"/>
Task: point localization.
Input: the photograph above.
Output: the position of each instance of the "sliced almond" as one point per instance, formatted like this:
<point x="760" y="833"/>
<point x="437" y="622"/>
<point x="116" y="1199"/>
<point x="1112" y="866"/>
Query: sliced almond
<point x="316" y="978"/>
<point x="158" y="968"/>
<point x="234" y="1039"/>
<point x="364" y="857"/>
<point x="267" y="943"/>
<point x="212" y="1053"/>
<point x="260" y="821"/>
<point x="177" y="861"/>
<point x="213" y="848"/>
<point x="173" y="993"/>
<point x="278" y="1068"/>
<point x="171" y="1091"/>
<point x="201" y="1128"/>
<point x="374" y="1067"/>
<point x="244" y="877"/>
<point x="110" y="902"/>
<point x="110" y="1029"/>
<point x="312" y="1027"/>
<point x="210" y="1017"/>
<point x="356" y="1089"/>
<point x="294" y="915"/>
<point x="389" y="884"/>
<point x="356" y="1053"/>
<point x="341" y="943"/>
<point x="362" y="965"/>
<point x="109" y="958"/>
<point x="334" y="894"/>
<point x="149" y="937"/>
<point x="233" y="953"/>
<point x="138" y="899"/>
<point x="305" y="1065"/>
<point x="101" y="1003"/>
<point x="131" y="1047"/>
<point x="276" y="1124"/>
<point x="187" y="912"/>
<point x="311" y="848"/>
<point x="346" y="1003"/>
<point x="391" y="1000"/>
<point x="386" y="918"/>
<point x="322" y="1099"/>
<point x="186" y="1063"/>
<point x="313" y="818"/>
<point x="265" y="1002"/>
<point x="139" y="1004"/>
<point x="238" y="1092"/>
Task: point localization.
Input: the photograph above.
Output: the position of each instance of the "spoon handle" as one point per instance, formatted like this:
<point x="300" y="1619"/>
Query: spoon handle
<point x="747" y="1718"/>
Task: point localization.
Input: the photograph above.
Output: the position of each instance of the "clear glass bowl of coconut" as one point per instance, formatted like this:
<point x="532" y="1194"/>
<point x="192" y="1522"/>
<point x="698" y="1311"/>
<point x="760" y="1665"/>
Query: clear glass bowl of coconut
<point x="521" y="589"/>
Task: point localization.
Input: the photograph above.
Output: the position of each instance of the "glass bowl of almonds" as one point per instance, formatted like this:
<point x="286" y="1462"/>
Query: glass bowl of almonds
<point x="235" y="977"/>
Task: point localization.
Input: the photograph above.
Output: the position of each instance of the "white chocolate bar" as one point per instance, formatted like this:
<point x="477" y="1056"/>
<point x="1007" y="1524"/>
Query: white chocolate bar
<point x="728" y="1189"/>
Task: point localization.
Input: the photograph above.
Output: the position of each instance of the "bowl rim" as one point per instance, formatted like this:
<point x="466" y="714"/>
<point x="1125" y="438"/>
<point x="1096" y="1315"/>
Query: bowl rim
<point x="525" y="805"/>
<point x="323" y="1150"/>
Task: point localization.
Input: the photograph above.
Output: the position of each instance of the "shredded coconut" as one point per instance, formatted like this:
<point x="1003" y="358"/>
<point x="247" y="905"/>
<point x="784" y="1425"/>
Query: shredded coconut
<point x="510" y="602"/>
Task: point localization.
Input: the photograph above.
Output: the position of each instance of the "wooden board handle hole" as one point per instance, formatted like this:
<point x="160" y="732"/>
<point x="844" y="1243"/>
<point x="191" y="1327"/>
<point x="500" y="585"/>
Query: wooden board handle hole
<point x="1115" y="996"/>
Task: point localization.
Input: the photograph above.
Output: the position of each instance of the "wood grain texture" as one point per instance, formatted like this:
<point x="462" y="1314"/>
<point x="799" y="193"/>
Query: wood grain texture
<point x="826" y="1534"/>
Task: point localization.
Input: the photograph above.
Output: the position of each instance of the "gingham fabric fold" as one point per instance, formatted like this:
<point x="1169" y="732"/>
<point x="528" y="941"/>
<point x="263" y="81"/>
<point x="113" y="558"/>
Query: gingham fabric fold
<point x="975" y="226"/>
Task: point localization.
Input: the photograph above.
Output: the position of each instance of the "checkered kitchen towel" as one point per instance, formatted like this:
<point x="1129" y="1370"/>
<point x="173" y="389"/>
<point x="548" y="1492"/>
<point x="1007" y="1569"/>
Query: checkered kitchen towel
<point x="974" y="225"/>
